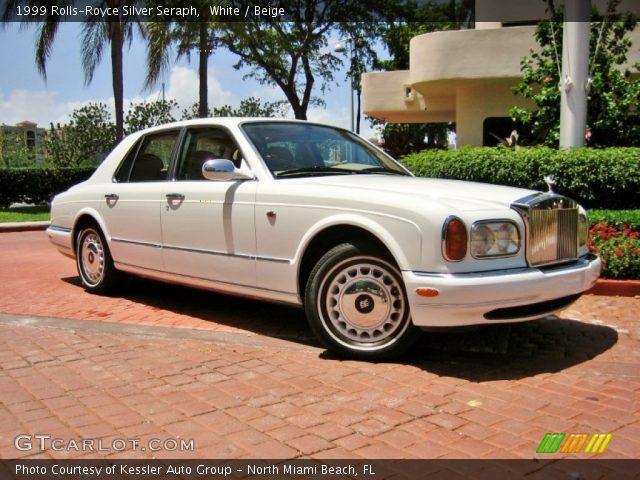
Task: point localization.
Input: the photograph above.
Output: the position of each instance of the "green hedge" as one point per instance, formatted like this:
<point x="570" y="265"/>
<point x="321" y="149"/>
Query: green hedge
<point x="597" y="178"/>
<point x="38" y="184"/>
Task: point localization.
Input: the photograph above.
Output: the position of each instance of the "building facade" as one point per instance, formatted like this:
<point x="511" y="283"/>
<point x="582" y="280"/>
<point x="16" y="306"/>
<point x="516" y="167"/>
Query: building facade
<point x="467" y="76"/>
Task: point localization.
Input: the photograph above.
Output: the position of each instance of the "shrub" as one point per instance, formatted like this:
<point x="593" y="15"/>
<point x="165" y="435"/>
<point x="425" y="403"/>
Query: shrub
<point x="38" y="184"/>
<point x="597" y="178"/>
<point x="87" y="137"/>
<point x="616" y="218"/>
<point x="619" y="249"/>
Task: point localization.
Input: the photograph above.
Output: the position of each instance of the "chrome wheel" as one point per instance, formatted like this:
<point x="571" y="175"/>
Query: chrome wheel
<point x="362" y="303"/>
<point x="92" y="257"/>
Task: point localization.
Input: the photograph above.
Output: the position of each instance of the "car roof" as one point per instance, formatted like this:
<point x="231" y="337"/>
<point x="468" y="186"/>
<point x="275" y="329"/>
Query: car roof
<point x="223" y="121"/>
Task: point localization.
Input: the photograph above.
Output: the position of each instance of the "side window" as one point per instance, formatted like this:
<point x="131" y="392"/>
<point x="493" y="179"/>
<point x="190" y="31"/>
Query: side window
<point x="122" y="174"/>
<point x="148" y="161"/>
<point x="204" y="144"/>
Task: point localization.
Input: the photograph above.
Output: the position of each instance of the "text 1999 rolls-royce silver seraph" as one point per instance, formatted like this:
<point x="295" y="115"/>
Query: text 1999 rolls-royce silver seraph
<point x="313" y="215"/>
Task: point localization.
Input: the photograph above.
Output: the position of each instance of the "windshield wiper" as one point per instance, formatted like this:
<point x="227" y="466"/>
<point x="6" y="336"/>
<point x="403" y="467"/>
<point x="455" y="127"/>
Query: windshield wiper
<point x="313" y="170"/>
<point x="348" y="171"/>
<point x="381" y="170"/>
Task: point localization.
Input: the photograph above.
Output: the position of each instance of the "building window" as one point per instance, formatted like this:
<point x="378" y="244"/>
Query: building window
<point x="31" y="138"/>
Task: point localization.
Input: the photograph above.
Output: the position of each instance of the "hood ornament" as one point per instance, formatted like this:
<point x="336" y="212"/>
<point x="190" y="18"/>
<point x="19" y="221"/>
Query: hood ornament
<point x="551" y="181"/>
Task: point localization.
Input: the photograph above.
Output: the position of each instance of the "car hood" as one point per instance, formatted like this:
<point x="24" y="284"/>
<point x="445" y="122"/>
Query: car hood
<point x="454" y="194"/>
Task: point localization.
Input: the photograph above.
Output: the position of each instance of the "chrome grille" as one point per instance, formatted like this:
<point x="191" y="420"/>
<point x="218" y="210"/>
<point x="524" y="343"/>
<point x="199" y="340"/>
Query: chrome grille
<point x="551" y="222"/>
<point x="553" y="235"/>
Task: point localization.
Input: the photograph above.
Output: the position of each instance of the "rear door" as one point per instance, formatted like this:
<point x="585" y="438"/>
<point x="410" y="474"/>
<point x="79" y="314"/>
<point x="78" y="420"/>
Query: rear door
<point x="131" y="207"/>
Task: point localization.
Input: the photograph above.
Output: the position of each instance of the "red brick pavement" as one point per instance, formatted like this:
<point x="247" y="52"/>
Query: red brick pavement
<point x="490" y="393"/>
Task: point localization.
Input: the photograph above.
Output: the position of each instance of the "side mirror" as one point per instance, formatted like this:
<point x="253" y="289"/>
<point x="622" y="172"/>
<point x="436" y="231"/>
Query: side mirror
<point x="222" y="170"/>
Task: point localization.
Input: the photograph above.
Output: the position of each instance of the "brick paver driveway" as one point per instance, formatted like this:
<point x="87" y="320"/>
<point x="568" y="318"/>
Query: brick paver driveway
<point x="246" y="379"/>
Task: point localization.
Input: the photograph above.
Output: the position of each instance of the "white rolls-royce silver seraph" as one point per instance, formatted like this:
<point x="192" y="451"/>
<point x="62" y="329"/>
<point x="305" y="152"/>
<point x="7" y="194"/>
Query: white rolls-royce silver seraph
<point x="315" y="216"/>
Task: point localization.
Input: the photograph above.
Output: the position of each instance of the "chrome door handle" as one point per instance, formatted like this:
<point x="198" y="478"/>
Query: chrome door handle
<point x="174" y="196"/>
<point x="111" y="196"/>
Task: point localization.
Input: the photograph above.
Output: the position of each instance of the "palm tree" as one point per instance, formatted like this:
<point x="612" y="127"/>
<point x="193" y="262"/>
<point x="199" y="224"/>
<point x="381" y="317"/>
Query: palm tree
<point x="97" y="32"/>
<point x="187" y="36"/>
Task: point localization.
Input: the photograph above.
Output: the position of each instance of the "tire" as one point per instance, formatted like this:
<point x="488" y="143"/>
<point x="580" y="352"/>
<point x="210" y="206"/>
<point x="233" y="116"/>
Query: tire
<point x="94" y="261"/>
<point x="357" y="306"/>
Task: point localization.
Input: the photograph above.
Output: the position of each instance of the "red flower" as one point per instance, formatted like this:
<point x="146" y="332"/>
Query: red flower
<point x="604" y="235"/>
<point x="634" y="235"/>
<point x="636" y="252"/>
<point x="618" y="253"/>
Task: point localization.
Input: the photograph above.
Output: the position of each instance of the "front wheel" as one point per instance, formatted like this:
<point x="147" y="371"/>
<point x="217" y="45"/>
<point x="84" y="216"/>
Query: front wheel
<point x="94" y="261"/>
<point x="356" y="304"/>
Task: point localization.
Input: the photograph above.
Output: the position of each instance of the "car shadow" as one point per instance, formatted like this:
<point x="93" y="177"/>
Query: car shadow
<point x="274" y="320"/>
<point x="477" y="353"/>
<point x="510" y="351"/>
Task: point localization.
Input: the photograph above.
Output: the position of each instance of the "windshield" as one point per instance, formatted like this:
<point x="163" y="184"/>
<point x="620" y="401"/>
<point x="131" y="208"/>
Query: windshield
<point x="302" y="150"/>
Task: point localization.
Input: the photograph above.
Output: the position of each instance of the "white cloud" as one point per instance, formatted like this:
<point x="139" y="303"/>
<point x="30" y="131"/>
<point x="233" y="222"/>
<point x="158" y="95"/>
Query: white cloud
<point x="38" y="106"/>
<point x="184" y="84"/>
<point x="43" y="106"/>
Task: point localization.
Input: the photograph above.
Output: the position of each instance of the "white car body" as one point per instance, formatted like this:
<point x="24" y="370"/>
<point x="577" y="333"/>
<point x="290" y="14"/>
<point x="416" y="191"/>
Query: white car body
<point x="250" y="237"/>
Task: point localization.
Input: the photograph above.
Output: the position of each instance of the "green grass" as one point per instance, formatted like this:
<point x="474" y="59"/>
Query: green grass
<point x="24" y="214"/>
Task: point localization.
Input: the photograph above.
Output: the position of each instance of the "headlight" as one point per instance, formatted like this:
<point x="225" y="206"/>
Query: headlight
<point x="494" y="239"/>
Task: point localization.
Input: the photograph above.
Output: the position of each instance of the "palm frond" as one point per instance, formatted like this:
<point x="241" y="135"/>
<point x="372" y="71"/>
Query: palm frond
<point x="44" y="44"/>
<point x="94" y="38"/>
<point x="158" y="36"/>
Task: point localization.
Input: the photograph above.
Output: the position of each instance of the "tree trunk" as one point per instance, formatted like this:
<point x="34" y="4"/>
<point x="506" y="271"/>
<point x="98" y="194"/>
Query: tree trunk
<point x="116" y="74"/>
<point x="203" y="100"/>
<point x="359" y="98"/>
<point x="299" y="111"/>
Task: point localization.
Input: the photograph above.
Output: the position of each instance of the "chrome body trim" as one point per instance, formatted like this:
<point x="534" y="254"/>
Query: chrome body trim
<point x="204" y="251"/>
<point x="229" y="288"/>
<point x="582" y="262"/>
<point x="56" y="228"/>
<point x="136" y="242"/>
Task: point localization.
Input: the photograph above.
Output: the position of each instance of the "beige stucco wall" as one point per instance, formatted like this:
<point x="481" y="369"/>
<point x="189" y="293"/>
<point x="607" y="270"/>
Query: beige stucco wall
<point x="482" y="99"/>
<point x="468" y="54"/>
<point x="388" y="99"/>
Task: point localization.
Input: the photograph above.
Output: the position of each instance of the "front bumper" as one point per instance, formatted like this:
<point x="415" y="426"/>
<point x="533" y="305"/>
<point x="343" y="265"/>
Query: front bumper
<point x="469" y="298"/>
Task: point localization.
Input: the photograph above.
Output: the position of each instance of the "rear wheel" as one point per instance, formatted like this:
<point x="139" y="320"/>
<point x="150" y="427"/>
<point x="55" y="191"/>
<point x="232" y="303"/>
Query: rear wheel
<point x="356" y="304"/>
<point x="94" y="261"/>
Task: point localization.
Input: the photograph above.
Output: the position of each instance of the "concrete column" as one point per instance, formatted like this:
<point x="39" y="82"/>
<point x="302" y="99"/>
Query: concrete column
<point x="575" y="65"/>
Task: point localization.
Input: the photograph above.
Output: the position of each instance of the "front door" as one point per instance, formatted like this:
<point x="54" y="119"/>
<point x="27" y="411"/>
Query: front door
<point x="208" y="227"/>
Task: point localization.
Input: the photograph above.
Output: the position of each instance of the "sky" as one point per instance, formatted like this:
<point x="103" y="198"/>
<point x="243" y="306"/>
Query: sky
<point x="25" y="95"/>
